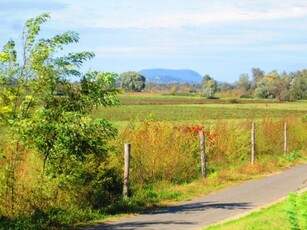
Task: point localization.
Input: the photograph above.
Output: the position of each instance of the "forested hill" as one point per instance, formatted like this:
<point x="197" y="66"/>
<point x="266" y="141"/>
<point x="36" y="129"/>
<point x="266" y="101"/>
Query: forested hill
<point x="170" y="75"/>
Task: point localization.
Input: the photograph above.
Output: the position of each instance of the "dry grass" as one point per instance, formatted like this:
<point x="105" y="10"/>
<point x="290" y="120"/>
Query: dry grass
<point x="162" y="151"/>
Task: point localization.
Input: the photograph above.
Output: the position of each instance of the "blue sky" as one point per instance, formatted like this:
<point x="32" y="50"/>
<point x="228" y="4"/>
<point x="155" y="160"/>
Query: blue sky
<point x="222" y="38"/>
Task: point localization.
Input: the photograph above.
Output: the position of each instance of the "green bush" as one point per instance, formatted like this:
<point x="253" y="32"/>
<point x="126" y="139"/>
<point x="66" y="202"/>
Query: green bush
<point x="297" y="211"/>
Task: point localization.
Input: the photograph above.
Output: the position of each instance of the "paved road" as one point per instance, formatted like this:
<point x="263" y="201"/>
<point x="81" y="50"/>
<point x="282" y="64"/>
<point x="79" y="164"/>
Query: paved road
<point x="219" y="206"/>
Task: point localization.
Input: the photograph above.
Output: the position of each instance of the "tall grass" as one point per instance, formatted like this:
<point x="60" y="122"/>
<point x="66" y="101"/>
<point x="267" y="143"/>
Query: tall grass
<point x="165" y="157"/>
<point x="270" y="136"/>
<point x="162" y="151"/>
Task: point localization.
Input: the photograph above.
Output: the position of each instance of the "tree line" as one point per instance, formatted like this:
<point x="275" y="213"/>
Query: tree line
<point x="283" y="87"/>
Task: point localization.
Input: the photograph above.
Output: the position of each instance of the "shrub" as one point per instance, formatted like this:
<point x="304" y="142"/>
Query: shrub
<point x="296" y="211"/>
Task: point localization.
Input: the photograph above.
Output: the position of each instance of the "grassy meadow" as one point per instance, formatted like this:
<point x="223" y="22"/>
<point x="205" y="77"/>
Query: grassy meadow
<point x="183" y="109"/>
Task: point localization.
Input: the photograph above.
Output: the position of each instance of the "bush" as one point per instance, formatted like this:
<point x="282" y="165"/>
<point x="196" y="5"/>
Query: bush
<point x="296" y="211"/>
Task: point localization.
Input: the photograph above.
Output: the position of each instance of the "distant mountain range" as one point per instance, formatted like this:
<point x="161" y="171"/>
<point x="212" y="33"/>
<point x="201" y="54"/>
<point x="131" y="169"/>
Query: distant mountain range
<point x="170" y="76"/>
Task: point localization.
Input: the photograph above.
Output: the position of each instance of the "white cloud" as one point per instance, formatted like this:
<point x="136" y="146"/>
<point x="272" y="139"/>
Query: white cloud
<point x="207" y="14"/>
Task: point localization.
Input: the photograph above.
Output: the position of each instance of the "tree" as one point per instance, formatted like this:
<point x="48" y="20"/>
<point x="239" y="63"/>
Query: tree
<point x="280" y="87"/>
<point x="257" y="74"/>
<point x="225" y="86"/>
<point x="206" y="78"/>
<point x="262" y="89"/>
<point x="132" y="81"/>
<point x="243" y="83"/>
<point x="298" y="86"/>
<point x="209" y="86"/>
<point x="273" y="86"/>
<point x="59" y="129"/>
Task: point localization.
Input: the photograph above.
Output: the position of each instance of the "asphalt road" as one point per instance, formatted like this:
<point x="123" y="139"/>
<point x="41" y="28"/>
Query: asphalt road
<point x="217" y="207"/>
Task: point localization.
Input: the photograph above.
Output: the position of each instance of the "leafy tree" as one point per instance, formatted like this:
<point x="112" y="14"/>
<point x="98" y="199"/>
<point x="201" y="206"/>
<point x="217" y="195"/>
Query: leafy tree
<point x="243" y="83"/>
<point x="225" y="86"/>
<point x="280" y="88"/>
<point x="257" y="74"/>
<point x="209" y="86"/>
<point x="262" y="90"/>
<point x="298" y="86"/>
<point x="273" y="85"/>
<point x="132" y="81"/>
<point x="206" y="78"/>
<point x="59" y="128"/>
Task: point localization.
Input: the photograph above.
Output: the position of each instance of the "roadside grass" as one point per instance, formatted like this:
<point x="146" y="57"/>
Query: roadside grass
<point x="273" y="217"/>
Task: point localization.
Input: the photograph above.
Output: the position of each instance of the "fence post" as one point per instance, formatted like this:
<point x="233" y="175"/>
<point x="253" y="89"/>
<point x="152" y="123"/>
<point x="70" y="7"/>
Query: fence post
<point x="202" y="153"/>
<point x="126" y="171"/>
<point x="253" y="143"/>
<point x="285" y="138"/>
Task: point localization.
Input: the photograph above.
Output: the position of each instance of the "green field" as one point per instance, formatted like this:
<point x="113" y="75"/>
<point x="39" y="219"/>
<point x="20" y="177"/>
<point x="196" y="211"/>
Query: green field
<point x="195" y="109"/>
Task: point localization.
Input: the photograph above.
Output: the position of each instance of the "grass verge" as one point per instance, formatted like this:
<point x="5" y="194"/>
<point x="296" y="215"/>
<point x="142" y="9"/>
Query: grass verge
<point x="273" y="217"/>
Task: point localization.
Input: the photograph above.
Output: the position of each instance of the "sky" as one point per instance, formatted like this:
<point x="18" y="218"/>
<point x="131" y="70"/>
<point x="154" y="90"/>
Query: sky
<point x="222" y="38"/>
